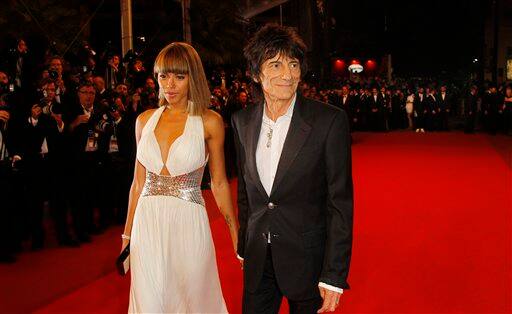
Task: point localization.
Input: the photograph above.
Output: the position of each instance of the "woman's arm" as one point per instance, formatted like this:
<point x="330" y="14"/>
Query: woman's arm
<point x="214" y="133"/>
<point x="139" y="178"/>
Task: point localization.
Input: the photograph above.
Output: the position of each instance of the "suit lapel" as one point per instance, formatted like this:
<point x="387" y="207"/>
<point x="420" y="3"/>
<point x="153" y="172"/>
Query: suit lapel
<point x="297" y="135"/>
<point x="252" y="136"/>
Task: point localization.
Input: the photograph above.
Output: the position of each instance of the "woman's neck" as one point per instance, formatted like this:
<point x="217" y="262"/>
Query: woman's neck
<point x="179" y="107"/>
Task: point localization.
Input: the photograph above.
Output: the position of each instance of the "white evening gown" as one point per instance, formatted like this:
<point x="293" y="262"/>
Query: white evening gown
<point x="172" y="258"/>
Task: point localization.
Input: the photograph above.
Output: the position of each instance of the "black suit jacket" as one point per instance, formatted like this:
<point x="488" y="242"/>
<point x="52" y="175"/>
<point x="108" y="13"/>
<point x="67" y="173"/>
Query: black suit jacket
<point x="78" y="136"/>
<point x="29" y="139"/>
<point x="376" y="104"/>
<point x="309" y="210"/>
<point x="444" y="104"/>
<point x="419" y="104"/>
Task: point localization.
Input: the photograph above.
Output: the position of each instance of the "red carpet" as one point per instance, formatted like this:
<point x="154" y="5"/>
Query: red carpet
<point x="432" y="234"/>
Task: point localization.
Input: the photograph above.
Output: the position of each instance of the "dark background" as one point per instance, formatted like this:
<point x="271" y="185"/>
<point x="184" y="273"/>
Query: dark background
<point x="425" y="38"/>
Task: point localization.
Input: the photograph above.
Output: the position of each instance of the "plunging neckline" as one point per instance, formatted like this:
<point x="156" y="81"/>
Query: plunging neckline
<point x="171" y="147"/>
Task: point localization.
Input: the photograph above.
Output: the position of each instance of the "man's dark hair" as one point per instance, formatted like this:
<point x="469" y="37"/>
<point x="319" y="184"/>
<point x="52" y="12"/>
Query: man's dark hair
<point x="269" y="41"/>
<point x="84" y="83"/>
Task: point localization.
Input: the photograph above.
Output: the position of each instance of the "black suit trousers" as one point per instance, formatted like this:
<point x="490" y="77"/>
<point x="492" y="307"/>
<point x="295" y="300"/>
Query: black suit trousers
<point x="268" y="297"/>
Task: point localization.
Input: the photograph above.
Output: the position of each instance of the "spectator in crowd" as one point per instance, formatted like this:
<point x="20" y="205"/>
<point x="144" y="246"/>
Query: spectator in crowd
<point x="471" y="109"/>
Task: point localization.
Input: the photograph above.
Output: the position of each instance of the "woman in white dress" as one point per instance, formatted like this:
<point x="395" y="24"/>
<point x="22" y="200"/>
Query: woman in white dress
<point x="409" y="108"/>
<point x="172" y="256"/>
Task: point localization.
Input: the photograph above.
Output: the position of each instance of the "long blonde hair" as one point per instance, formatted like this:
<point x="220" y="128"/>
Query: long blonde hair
<point x="181" y="58"/>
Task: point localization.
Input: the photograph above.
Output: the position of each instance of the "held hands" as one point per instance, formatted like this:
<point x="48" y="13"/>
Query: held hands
<point x="331" y="300"/>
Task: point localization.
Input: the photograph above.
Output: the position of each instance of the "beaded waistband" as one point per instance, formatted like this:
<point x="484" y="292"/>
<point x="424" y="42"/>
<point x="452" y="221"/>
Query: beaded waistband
<point x="186" y="186"/>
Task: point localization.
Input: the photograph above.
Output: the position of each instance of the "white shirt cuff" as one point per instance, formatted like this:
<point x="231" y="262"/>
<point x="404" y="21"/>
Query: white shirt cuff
<point x="239" y="257"/>
<point x="329" y="287"/>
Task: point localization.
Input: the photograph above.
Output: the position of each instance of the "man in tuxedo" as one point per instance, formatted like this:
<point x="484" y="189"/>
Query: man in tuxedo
<point x="445" y="107"/>
<point x="420" y="110"/>
<point x="117" y="148"/>
<point x="347" y="103"/>
<point x="432" y="115"/>
<point x="82" y="124"/>
<point x="376" y="109"/>
<point x="471" y="109"/>
<point x="295" y="196"/>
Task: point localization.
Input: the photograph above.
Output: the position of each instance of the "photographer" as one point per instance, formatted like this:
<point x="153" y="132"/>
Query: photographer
<point x="38" y="138"/>
<point x="57" y="161"/>
<point x="102" y="94"/>
<point x="55" y="73"/>
<point x="7" y="217"/>
<point x="115" y="72"/>
<point x="82" y="123"/>
<point x="117" y="146"/>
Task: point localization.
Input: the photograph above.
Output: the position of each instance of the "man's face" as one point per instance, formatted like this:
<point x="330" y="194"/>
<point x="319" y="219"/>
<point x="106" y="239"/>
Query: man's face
<point x="150" y="83"/>
<point x="421" y="90"/>
<point x="443" y="89"/>
<point x="86" y="96"/>
<point x="242" y="97"/>
<point x="99" y="83"/>
<point x="344" y="90"/>
<point x="280" y="77"/>
<point x="56" y="65"/>
<point x="374" y="91"/>
<point x="50" y="91"/>
<point x="115" y="60"/>
<point x="217" y="92"/>
<point x="121" y="89"/>
<point x="138" y="65"/>
<point x="22" y="46"/>
<point x="3" y="78"/>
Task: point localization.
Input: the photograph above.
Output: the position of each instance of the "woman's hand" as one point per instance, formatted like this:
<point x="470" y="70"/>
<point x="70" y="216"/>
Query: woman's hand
<point x="124" y="244"/>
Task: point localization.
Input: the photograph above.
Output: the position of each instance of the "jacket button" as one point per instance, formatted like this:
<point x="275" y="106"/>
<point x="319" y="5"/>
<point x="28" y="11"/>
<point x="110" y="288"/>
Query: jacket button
<point x="271" y="206"/>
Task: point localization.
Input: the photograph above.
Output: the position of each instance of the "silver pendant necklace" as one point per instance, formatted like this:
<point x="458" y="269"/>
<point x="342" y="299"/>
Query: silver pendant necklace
<point x="269" y="136"/>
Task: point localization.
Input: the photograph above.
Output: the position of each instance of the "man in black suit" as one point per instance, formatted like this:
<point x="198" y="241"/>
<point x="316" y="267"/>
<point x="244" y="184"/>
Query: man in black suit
<point x="376" y="107"/>
<point x="471" y="109"/>
<point x="82" y="123"/>
<point x="420" y="110"/>
<point x="444" y="100"/>
<point x="432" y="115"/>
<point x="348" y="103"/>
<point x="295" y="196"/>
<point x="117" y="148"/>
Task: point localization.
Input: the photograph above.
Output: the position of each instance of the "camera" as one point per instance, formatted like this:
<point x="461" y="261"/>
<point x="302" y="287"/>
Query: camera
<point x="53" y="108"/>
<point x="54" y="75"/>
<point x="113" y="107"/>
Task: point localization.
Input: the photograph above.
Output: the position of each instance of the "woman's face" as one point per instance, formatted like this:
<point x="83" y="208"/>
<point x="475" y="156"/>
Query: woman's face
<point x="174" y="87"/>
<point x="508" y="91"/>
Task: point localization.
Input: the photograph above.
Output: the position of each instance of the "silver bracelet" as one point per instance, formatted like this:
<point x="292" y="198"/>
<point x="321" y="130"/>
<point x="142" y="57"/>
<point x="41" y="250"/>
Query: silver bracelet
<point x="125" y="237"/>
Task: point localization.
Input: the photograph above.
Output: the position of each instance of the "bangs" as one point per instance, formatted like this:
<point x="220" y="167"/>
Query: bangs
<point x="172" y="59"/>
<point x="272" y="53"/>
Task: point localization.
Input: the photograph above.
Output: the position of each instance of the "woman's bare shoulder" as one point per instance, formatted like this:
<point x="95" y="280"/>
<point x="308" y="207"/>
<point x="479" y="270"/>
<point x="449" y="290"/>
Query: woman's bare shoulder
<point x="212" y="118"/>
<point x="213" y="122"/>
<point x="144" y="117"/>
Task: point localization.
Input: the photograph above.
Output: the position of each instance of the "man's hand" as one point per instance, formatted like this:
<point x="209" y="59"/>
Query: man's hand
<point x="83" y="118"/>
<point x="331" y="300"/>
<point x="4" y="115"/>
<point x="58" y="119"/>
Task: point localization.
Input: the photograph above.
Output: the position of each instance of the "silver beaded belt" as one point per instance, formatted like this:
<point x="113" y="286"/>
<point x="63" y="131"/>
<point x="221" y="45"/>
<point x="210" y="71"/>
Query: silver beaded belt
<point x="186" y="186"/>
